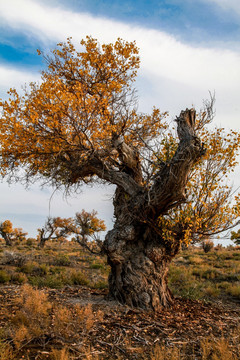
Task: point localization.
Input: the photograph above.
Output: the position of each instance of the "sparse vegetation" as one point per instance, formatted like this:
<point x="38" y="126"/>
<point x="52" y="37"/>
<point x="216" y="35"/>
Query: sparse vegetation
<point x="59" y="311"/>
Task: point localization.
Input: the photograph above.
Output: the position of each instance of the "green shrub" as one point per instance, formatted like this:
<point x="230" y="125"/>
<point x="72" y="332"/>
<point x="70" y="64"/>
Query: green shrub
<point x="57" y="270"/>
<point x="212" y="290"/>
<point x="19" y="278"/>
<point x="41" y="269"/>
<point x="100" y="285"/>
<point x="62" y="260"/>
<point x="50" y="281"/>
<point x="4" y="277"/>
<point x="211" y="274"/>
<point x="78" y="278"/>
<point x="194" y="260"/>
<point x="96" y="266"/>
<point x="28" y="267"/>
<point x="234" y="290"/>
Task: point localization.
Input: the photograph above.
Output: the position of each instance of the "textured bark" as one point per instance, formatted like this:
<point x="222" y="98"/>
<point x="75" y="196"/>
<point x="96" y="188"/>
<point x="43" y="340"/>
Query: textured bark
<point x="168" y="189"/>
<point x="42" y="242"/>
<point x="138" y="255"/>
<point x="139" y="268"/>
<point x="7" y="239"/>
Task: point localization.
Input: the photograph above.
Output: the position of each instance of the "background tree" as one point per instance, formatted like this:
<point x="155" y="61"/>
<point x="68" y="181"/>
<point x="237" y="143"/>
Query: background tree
<point x="55" y="228"/>
<point x="6" y="230"/>
<point x="86" y="227"/>
<point x="10" y="234"/>
<point x="81" y="125"/>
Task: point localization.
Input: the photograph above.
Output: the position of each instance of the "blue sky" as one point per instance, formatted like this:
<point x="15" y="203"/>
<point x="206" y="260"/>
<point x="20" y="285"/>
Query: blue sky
<point x="187" y="48"/>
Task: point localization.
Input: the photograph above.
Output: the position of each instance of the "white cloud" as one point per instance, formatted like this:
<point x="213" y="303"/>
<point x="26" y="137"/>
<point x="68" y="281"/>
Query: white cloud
<point x="166" y="62"/>
<point x="29" y="209"/>
<point x="232" y="5"/>
<point x="11" y="77"/>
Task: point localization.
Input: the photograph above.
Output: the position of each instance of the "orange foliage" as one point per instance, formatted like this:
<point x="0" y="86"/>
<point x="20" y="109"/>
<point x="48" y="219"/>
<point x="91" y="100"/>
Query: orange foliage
<point x="87" y="223"/>
<point x="84" y="99"/>
<point x="210" y="207"/>
<point x="11" y="234"/>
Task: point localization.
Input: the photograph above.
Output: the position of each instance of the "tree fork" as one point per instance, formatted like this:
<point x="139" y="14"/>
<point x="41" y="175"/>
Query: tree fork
<point x="137" y="254"/>
<point x="168" y="189"/>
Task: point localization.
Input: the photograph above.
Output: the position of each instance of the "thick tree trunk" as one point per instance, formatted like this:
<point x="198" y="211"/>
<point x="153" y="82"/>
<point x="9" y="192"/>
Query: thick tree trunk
<point x="139" y="268"/>
<point x="139" y="259"/>
<point x="8" y="240"/>
<point x="42" y="242"/>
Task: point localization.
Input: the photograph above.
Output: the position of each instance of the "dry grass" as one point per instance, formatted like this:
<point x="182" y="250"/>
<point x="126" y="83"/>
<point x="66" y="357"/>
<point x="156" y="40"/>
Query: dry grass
<point x="41" y="327"/>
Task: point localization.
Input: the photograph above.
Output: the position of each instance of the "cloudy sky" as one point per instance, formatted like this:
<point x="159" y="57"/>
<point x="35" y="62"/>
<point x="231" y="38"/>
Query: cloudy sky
<point x="187" y="48"/>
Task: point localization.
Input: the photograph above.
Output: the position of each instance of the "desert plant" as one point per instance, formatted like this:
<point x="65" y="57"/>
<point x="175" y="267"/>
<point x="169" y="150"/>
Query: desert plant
<point x="207" y="245"/>
<point x="14" y="258"/>
<point x="4" y="277"/>
<point x="86" y="227"/>
<point x="78" y="278"/>
<point x="55" y="228"/>
<point x="10" y="234"/>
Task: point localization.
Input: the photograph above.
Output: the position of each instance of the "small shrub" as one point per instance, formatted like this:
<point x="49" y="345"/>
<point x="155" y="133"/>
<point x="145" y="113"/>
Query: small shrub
<point x="13" y="258"/>
<point x="211" y="273"/>
<point x="41" y="269"/>
<point x="4" y="277"/>
<point x="78" y="278"/>
<point x="50" y="281"/>
<point x="207" y="245"/>
<point x="219" y="247"/>
<point x="30" y="241"/>
<point x="57" y="270"/>
<point x="86" y="316"/>
<point x="212" y="291"/>
<point x="100" y="285"/>
<point x="234" y="290"/>
<point x="195" y="260"/>
<point x="62" y="260"/>
<point x="33" y="304"/>
<point x="164" y="353"/>
<point x="28" y="267"/>
<point x="19" y="278"/>
<point x="236" y="255"/>
<point x="96" y="266"/>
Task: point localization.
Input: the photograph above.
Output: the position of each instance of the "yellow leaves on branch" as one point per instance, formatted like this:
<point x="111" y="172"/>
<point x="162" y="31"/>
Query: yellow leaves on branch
<point x="6" y="227"/>
<point x="84" y="98"/>
<point x="210" y="207"/>
<point x="88" y="223"/>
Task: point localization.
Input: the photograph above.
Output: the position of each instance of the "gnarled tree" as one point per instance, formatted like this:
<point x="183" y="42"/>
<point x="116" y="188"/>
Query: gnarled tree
<point x="10" y="234"/>
<point x="55" y="228"/>
<point x="80" y="125"/>
<point x="85" y="226"/>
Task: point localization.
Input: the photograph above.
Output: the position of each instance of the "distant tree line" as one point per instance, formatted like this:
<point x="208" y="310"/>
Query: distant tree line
<point x="84" y="227"/>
